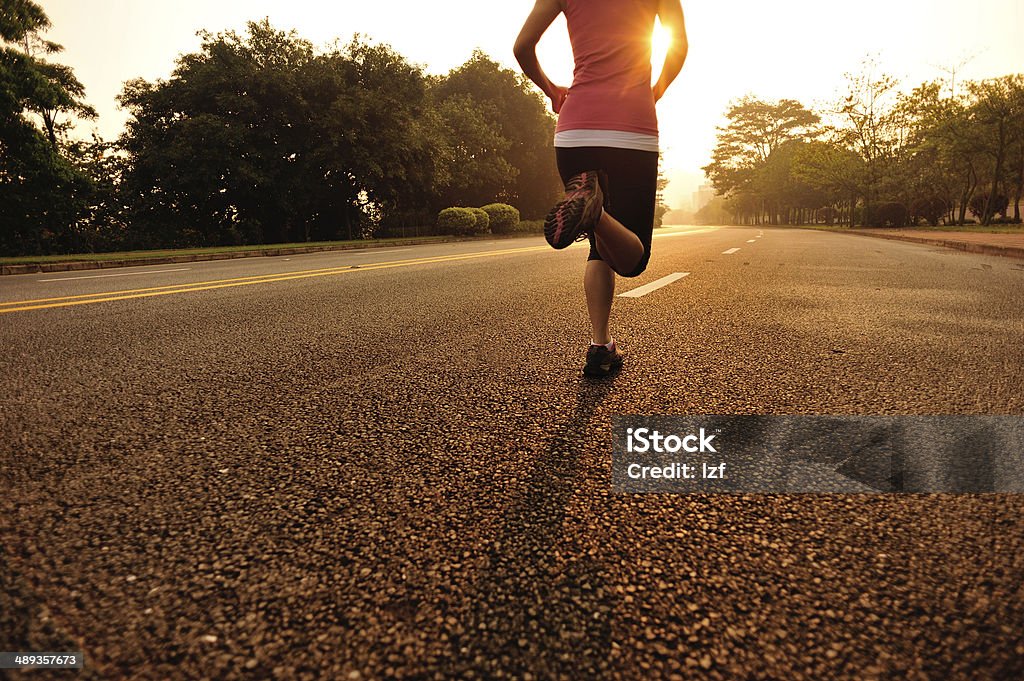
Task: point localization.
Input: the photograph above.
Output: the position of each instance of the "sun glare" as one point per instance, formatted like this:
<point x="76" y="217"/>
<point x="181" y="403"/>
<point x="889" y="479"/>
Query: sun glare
<point x="661" y="39"/>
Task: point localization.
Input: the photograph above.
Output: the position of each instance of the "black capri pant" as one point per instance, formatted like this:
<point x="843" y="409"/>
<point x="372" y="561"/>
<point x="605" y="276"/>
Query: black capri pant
<point x="629" y="181"/>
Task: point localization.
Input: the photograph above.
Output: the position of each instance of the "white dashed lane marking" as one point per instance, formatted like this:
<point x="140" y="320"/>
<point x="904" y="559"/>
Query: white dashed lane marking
<point x="751" y="241"/>
<point x="730" y="251"/>
<point x="654" y="285"/>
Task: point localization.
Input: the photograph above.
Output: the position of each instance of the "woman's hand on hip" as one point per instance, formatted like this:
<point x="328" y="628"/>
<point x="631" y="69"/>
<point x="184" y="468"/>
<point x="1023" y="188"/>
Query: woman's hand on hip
<point x="557" y="97"/>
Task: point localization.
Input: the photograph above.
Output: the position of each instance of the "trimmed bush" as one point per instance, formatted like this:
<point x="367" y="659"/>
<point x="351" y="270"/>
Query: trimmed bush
<point x="483" y="223"/>
<point x="457" y="221"/>
<point x="1000" y="204"/>
<point x="828" y="215"/>
<point x="504" y="218"/>
<point x="889" y="214"/>
<point x="930" y="208"/>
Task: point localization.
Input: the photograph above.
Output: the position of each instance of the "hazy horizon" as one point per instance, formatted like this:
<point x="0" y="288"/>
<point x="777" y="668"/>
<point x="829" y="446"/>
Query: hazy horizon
<point x="790" y="49"/>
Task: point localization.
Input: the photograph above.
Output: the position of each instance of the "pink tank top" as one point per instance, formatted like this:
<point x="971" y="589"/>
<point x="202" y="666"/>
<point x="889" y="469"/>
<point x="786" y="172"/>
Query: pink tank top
<point x="611" y="87"/>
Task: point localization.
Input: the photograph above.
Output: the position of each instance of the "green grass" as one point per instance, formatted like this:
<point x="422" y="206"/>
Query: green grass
<point x="169" y="253"/>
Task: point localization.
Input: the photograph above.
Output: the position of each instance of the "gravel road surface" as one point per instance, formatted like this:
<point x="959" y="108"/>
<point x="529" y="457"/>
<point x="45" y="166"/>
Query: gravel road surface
<point x="387" y="464"/>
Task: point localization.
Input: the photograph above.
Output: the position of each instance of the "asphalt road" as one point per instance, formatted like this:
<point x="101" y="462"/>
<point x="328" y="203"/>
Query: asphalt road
<point x="386" y="463"/>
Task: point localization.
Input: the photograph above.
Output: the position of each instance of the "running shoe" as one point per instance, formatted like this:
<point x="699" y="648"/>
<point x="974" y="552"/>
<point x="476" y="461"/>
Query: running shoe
<point x="602" y="362"/>
<point x="575" y="216"/>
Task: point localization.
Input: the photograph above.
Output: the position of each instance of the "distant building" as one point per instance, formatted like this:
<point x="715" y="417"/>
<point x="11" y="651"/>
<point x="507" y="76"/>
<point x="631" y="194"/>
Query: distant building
<point x="703" y="196"/>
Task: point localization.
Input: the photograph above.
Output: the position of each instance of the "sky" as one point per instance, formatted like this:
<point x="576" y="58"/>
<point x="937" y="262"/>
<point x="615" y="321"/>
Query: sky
<point x="797" y="49"/>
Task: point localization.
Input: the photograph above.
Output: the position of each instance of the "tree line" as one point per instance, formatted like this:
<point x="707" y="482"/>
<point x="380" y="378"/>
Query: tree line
<point x="878" y="157"/>
<point x="260" y="137"/>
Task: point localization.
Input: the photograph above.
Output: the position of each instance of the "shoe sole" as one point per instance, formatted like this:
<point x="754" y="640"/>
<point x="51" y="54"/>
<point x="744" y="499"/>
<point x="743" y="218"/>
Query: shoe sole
<point x="600" y="372"/>
<point x="564" y="224"/>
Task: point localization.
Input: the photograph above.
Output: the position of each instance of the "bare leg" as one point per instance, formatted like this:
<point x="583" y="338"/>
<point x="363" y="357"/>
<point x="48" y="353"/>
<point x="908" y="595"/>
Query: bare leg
<point x="618" y="246"/>
<point x="599" y="283"/>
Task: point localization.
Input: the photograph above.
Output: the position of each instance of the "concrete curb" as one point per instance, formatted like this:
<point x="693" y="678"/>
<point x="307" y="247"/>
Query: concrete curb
<point x="73" y="265"/>
<point x="969" y="247"/>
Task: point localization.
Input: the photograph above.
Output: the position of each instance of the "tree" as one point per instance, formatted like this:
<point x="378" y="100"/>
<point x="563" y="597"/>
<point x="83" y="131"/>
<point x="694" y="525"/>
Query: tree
<point x="754" y="130"/>
<point x="59" y="91"/>
<point x="947" y="158"/>
<point x="213" y="152"/>
<point x="790" y="198"/>
<point x="998" y="113"/>
<point x="832" y="168"/>
<point x="885" y="157"/>
<point x="258" y="138"/>
<point x="520" y="117"/>
<point x="471" y="153"/>
<point x="872" y="126"/>
<point x="101" y="225"/>
<point x="928" y="177"/>
<point x="40" y="191"/>
<point x="383" y="138"/>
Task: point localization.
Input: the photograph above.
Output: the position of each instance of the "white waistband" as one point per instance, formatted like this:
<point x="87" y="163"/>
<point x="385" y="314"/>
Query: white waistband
<point x="607" y="138"/>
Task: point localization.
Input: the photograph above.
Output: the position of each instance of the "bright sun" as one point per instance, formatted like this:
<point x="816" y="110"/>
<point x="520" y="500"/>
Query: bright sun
<point x="661" y="38"/>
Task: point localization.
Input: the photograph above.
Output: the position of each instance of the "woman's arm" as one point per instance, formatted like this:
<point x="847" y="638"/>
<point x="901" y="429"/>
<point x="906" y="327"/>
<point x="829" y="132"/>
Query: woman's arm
<point x="671" y="14"/>
<point x="543" y="13"/>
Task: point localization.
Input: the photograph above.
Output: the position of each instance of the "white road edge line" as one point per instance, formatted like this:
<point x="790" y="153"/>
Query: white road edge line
<point x="121" y="274"/>
<point x="730" y="251"/>
<point x="654" y="285"/>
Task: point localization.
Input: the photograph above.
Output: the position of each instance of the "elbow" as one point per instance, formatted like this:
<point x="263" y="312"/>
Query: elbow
<point x="523" y="49"/>
<point x="520" y="53"/>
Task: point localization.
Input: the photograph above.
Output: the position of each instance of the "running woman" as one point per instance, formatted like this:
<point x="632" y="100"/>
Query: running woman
<point x="606" y="141"/>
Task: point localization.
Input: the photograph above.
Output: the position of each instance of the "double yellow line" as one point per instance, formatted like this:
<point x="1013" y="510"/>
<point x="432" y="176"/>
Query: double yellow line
<point x="107" y="296"/>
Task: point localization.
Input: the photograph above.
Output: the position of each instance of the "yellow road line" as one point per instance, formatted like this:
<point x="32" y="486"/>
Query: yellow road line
<point x="141" y="290"/>
<point x="87" y="298"/>
<point x="685" y="232"/>
<point x="260" y="277"/>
